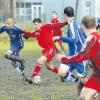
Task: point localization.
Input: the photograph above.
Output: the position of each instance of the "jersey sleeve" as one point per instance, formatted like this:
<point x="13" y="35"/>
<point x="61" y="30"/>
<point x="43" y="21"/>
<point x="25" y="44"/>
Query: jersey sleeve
<point x="29" y="34"/>
<point x="84" y="54"/>
<point x="56" y="25"/>
<point x="74" y="34"/>
<point x="2" y="29"/>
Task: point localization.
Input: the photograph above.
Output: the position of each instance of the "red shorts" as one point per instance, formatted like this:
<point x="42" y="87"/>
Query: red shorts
<point x="49" y="53"/>
<point x="93" y="83"/>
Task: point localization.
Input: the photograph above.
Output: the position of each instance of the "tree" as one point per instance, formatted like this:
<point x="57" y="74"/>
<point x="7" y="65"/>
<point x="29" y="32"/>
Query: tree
<point x="1" y="4"/>
<point x="76" y="8"/>
<point x="12" y="8"/>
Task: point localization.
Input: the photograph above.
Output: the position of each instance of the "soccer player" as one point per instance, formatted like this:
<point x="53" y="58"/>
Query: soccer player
<point x="97" y="24"/>
<point x="57" y="31"/>
<point x="16" y="44"/>
<point x="44" y="36"/>
<point x="91" y="50"/>
<point x="75" y="39"/>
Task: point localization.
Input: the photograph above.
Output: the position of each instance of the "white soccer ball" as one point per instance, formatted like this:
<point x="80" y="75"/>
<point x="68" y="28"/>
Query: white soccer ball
<point x="37" y="80"/>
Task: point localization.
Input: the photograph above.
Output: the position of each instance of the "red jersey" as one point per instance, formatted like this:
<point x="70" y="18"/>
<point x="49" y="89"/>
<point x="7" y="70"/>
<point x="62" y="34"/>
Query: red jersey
<point x="44" y="35"/>
<point x="90" y="51"/>
<point x="57" y="30"/>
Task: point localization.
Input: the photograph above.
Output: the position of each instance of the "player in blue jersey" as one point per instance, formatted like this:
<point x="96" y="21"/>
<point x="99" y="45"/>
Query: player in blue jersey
<point x="16" y="44"/>
<point x="75" y="39"/>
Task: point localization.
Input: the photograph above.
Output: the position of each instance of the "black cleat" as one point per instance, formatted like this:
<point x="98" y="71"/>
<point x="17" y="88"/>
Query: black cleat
<point x="22" y="67"/>
<point x="26" y="79"/>
<point x="29" y="81"/>
<point x="62" y="79"/>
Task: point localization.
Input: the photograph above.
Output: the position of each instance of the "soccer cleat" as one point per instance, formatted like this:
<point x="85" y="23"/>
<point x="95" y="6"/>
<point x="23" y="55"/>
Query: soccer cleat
<point x="29" y="81"/>
<point x="26" y="79"/>
<point x="22" y="67"/>
<point x="62" y="79"/>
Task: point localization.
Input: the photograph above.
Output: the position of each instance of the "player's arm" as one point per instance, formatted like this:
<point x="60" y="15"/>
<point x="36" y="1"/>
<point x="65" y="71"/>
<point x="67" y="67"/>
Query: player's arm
<point x="29" y="34"/>
<point x="74" y="35"/>
<point x="56" y="25"/>
<point x="72" y="39"/>
<point x="84" y="54"/>
<point x="2" y="29"/>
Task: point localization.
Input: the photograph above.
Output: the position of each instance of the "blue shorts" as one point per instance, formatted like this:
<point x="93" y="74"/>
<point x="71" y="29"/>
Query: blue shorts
<point x="79" y="67"/>
<point x="15" y="50"/>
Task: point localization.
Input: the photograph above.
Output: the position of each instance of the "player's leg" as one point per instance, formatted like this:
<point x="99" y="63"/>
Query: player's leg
<point x="61" y="46"/>
<point x="16" y="66"/>
<point x="11" y="55"/>
<point x="51" y="67"/>
<point x="87" y="93"/>
<point x="17" y="56"/>
<point x="91" y="87"/>
<point x="81" y="73"/>
<point x="49" y="54"/>
<point x="39" y="64"/>
<point x="57" y="50"/>
<point x="64" y="71"/>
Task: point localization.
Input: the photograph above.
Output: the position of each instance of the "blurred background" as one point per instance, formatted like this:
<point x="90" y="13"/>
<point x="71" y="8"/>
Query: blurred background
<point x="27" y="10"/>
<point x="24" y="11"/>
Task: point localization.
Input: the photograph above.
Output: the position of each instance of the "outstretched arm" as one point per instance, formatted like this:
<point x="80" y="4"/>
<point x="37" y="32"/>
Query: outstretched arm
<point x="29" y="34"/>
<point x="84" y="54"/>
<point x="73" y="34"/>
<point x="56" y="25"/>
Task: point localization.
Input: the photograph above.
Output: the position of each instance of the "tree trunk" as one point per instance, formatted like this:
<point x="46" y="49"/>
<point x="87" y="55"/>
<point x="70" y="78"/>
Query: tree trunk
<point x="76" y="8"/>
<point x="12" y="8"/>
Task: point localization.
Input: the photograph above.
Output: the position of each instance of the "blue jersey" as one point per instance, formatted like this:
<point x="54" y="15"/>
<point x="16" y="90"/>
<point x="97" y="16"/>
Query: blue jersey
<point x="14" y="34"/>
<point x="75" y="37"/>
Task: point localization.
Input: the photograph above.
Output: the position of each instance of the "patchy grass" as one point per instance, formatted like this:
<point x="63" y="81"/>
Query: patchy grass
<point x="29" y="47"/>
<point x="13" y="88"/>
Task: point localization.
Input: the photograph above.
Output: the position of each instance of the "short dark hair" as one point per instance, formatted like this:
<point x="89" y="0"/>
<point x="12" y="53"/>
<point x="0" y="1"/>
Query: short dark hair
<point x="69" y="11"/>
<point x="38" y="20"/>
<point x="89" y="22"/>
<point x="54" y="12"/>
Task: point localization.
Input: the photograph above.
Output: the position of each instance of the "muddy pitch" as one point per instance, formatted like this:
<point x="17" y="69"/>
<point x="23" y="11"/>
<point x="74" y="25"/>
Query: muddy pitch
<point x="13" y="88"/>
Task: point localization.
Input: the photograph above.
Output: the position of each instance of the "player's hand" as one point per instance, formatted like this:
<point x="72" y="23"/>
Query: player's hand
<point x="25" y="36"/>
<point x="23" y="30"/>
<point x="56" y="38"/>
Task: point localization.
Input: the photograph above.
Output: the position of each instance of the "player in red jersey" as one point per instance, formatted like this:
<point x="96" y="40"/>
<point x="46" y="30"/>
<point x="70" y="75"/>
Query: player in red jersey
<point x="90" y="51"/>
<point x="44" y="35"/>
<point x="57" y="30"/>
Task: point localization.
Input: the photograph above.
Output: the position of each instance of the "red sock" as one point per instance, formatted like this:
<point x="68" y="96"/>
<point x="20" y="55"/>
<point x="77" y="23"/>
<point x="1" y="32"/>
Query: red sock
<point x="36" y="70"/>
<point x="55" y="69"/>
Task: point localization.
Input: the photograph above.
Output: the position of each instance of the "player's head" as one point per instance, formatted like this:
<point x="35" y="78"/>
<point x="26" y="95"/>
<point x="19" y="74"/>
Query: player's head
<point x="54" y="15"/>
<point x="69" y="12"/>
<point x="9" y="22"/>
<point x="37" y="23"/>
<point x="88" y="24"/>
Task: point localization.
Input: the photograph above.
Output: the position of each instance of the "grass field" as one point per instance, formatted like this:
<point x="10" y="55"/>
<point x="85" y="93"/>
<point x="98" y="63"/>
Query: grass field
<point x="29" y="47"/>
<point x="13" y="88"/>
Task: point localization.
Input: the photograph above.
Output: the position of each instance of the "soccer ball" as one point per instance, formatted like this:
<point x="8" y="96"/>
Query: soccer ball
<point x="37" y="80"/>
